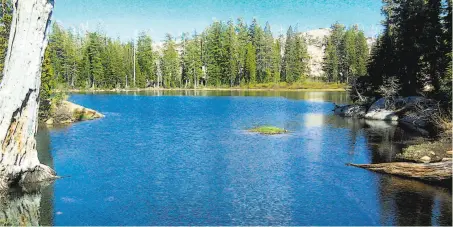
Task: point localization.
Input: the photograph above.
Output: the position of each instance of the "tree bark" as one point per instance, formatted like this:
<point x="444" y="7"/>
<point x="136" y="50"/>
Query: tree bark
<point x="434" y="172"/>
<point x="23" y="207"/>
<point x="19" y="94"/>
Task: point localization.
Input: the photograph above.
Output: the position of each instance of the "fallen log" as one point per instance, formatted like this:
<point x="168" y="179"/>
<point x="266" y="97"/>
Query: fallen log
<point x="434" y="172"/>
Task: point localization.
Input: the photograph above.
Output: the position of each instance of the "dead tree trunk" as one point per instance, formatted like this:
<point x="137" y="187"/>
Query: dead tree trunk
<point x="19" y="94"/>
<point x="435" y="172"/>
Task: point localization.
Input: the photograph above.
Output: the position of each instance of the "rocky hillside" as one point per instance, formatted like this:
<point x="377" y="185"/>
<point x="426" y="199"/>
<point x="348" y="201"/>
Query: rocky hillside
<point x="315" y="40"/>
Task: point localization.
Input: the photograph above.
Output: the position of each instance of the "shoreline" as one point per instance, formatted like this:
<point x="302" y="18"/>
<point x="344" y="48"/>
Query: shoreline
<point x="198" y="89"/>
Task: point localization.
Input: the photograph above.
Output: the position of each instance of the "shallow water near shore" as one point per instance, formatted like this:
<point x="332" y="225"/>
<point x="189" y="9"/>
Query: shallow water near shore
<point x="186" y="158"/>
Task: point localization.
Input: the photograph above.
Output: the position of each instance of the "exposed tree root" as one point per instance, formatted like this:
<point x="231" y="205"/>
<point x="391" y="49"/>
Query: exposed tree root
<point x="13" y="175"/>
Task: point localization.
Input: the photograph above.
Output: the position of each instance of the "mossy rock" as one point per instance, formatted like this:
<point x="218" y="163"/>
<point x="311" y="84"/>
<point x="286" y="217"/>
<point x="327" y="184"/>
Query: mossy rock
<point x="268" y="130"/>
<point x="435" y="151"/>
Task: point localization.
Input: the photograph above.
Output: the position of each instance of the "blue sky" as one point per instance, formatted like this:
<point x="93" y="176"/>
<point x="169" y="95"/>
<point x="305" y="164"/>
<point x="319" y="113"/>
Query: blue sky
<point x="123" y="18"/>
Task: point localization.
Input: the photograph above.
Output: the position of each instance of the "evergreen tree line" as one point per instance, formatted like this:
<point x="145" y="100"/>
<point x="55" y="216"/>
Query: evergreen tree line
<point x="346" y="54"/>
<point x="414" y="49"/>
<point x="224" y="54"/>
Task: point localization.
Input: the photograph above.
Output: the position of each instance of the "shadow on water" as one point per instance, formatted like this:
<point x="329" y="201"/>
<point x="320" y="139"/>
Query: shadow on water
<point x="405" y="202"/>
<point x="384" y="139"/>
<point x="31" y="205"/>
<point x="402" y="201"/>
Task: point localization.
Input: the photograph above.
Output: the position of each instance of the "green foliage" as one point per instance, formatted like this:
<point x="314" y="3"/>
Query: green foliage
<point x="146" y="60"/>
<point x="170" y="64"/>
<point x="295" y="59"/>
<point x="223" y="55"/>
<point x="415" y="47"/>
<point x="47" y="86"/>
<point x="276" y="61"/>
<point x="5" y="23"/>
<point x="303" y="85"/>
<point x="268" y="130"/>
<point x="346" y="54"/>
<point x="96" y="68"/>
<point x="192" y="62"/>
<point x="250" y="64"/>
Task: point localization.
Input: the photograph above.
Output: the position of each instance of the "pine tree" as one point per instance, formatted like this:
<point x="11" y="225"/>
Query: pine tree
<point x="362" y="54"/>
<point x="257" y="38"/>
<point x="287" y="56"/>
<point x="295" y="59"/>
<point x="5" y="23"/>
<point x="250" y="64"/>
<point x="334" y="61"/>
<point x="84" y="77"/>
<point x="47" y="86"/>
<point x="445" y="67"/>
<point x="331" y="62"/>
<point x="214" y="54"/>
<point x="268" y="49"/>
<point x="276" y="62"/>
<point x="145" y="60"/>
<point x="301" y="61"/>
<point x="231" y="53"/>
<point x="243" y="39"/>
<point x="58" y="52"/>
<point x="415" y="47"/>
<point x="349" y="67"/>
<point x="170" y="63"/>
<point x="95" y="60"/>
<point x="192" y="61"/>
<point x="70" y="63"/>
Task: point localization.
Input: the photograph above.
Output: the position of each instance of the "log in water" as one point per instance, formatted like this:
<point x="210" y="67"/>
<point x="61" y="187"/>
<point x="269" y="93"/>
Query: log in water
<point x="436" y="172"/>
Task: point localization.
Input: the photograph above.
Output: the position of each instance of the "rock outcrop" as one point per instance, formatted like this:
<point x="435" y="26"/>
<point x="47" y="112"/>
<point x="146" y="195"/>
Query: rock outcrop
<point x="68" y="112"/>
<point x="427" y="161"/>
<point x="315" y="48"/>
<point x="354" y="111"/>
<point x="413" y="111"/>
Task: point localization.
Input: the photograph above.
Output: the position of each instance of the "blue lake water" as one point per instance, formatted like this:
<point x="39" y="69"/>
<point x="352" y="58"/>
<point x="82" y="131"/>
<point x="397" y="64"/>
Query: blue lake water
<point x="185" y="158"/>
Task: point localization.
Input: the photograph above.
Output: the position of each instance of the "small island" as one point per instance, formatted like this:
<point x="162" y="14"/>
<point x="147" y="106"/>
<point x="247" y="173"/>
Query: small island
<point x="268" y="130"/>
<point x="67" y="112"/>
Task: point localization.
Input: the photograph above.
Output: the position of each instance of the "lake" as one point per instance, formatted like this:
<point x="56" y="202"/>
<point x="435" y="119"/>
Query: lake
<point x="186" y="158"/>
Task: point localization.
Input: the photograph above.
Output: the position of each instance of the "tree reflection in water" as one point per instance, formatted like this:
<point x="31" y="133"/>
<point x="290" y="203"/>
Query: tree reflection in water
<point x="402" y="201"/>
<point x="26" y="206"/>
<point x="30" y="205"/>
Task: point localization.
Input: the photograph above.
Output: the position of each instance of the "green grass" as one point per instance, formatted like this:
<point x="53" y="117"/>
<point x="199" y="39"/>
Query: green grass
<point x="268" y="130"/>
<point x="82" y="116"/>
<point x="436" y="150"/>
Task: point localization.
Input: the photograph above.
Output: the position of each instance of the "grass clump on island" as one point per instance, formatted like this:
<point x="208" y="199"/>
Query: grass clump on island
<point x="268" y="130"/>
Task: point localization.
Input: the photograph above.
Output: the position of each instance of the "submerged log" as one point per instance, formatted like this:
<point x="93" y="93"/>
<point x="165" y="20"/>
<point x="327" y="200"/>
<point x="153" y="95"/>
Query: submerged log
<point x="19" y="94"/>
<point x="434" y="172"/>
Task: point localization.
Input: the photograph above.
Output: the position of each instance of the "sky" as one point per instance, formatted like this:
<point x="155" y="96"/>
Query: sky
<point x="126" y="18"/>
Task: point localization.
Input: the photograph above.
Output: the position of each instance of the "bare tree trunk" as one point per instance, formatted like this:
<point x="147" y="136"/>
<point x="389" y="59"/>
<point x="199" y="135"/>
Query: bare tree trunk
<point x="19" y="94"/>
<point x="438" y="171"/>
